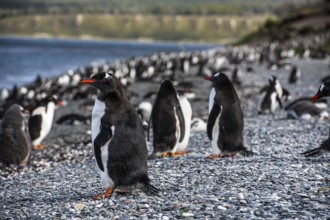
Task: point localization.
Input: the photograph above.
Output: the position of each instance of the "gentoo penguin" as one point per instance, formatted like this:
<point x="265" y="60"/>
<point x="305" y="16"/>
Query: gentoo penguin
<point x="324" y="91"/>
<point x="324" y="147"/>
<point x="272" y="98"/>
<point x="41" y="120"/>
<point x="167" y="121"/>
<point x="187" y="114"/>
<point x="15" y="142"/>
<point x="305" y="110"/>
<point x="225" y="123"/>
<point x="118" y="139"/>
<point x="295" y="75"/>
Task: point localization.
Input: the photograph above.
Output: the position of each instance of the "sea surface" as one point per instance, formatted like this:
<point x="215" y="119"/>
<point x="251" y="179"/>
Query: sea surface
<point x="22" y="59"/>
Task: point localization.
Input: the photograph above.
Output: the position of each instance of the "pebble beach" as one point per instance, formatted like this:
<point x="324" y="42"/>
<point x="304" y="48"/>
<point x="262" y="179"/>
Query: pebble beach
<point x="277" y="182"/>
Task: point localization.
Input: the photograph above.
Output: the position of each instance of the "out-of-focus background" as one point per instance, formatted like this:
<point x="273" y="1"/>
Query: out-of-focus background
<point x="119" y="29"/>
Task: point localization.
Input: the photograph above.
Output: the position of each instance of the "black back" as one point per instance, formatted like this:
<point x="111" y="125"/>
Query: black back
<point x="163" y="118"/>
<point x="231" y="121"/>
<point x="35" y="126"/>
<point x="15" y="142"/>
<point x="127" y="160"/>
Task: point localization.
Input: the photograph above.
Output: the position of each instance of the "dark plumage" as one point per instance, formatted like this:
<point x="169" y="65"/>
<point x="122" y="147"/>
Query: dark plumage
<point x="165" y="112"/>
<point x="118" y="138"/>
<point x="325" y="146"/>
<point x="15" y="142"/>
<point x="226" y="122"/>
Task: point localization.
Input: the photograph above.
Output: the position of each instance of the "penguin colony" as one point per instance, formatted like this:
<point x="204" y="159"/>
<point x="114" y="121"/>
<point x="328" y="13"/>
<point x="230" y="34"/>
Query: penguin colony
<point x="127" y="129"/>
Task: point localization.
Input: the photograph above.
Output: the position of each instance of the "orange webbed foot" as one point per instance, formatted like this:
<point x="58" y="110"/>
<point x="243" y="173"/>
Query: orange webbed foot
<point x="166" y="154"/>
<point x="215" y="156"/>
<point x="178" y="154"/>
<point x="107" y="194"/>
<point x="39" y="146"/>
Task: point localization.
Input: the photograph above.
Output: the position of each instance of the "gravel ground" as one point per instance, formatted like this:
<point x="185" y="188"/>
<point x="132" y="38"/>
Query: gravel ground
<point x="276" y="183"/>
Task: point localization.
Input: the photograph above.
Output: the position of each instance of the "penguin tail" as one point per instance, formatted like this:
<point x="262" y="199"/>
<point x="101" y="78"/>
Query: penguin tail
<point x="247" y="153"/>
<point x="149" y="189"/>
<point x="312" y="153"/>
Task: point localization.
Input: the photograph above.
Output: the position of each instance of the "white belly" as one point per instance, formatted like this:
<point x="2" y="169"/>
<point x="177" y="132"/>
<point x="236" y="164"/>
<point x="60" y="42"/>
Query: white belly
<point x="187" y="114"/>
<point x="211" y="99"/>
<point x="215" y="136"/>
<point x="97" y="113"/>
<point x="47" y="121"/>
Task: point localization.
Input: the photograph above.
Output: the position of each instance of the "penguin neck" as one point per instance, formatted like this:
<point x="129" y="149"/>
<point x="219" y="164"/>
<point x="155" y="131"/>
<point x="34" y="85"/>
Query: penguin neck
<point x="111" y="99"/>
<point x="228" y="95"/>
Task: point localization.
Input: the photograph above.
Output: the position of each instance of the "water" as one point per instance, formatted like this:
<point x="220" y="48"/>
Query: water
<point x="22" y="59"/>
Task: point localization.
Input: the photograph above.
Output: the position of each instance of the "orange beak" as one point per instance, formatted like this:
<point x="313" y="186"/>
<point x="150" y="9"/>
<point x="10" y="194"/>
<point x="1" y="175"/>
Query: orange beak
<point x="316" y="97"/>
<point x="88" y="81"/>
<point x="60" y="103"/>
<point x="209" y="78"/>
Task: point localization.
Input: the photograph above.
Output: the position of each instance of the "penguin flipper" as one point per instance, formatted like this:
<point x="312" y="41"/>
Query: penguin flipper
<point x="279" y="101"/>
<point x="179" y="113"/>
<point x="35" y="126"/>
<point x="313" y="152"/>
<point x="215" y="111"/>
<point x="102" y="138"/>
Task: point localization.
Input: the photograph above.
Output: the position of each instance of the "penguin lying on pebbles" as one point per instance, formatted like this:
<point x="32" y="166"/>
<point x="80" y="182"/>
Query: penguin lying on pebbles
<point x="118" y="139"/>
<point x="225" y="123"/>
<point x="41" y="120"/>
<point x="167" y="122"/>
<point x="324" y="147"/>
<point x="305" y="110"/>
<point x="15" y="141"/>
<point x="324" y="91"/>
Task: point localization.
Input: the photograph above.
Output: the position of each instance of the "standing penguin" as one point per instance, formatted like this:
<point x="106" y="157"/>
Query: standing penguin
<point x="41" y="120"/>
<point x="15" y="142"/>
<point x="118" y="139"/>
<point x="295" y="75"/>
<point x="187" y="114"/>
<point x="225" y="123"/>
<point x="167" y="121"/>
<point x="272" y="98"/>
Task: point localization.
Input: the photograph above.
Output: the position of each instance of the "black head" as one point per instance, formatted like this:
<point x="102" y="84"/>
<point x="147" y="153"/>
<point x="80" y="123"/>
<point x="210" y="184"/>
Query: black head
<point x="106" y="82"/>
<point x="324" y="91"/>
<point x="166" y="89"/>
<point x="220" y="80"/>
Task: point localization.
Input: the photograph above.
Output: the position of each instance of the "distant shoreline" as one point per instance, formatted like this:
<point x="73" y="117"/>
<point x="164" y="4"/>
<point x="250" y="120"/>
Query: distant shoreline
<point x="101" y="39"/>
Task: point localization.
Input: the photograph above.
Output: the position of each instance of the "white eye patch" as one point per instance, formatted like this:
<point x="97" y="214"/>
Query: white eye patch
<point x="216" y="75"/>
<point x="321" y="87"/>
<point x="107" y="75"/>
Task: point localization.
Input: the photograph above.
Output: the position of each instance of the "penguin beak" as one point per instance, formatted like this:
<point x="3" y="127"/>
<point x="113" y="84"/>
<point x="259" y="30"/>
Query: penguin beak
<point x="60" y="103"/>
<point x="209" y="78"/>
<point x="88" y="81"/>
<point x="316" y="97"/>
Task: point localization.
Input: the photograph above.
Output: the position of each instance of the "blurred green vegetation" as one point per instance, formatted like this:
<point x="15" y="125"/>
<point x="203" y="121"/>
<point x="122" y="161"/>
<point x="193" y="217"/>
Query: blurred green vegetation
<point x="157" y="7"/>
<point x="166" y="27"/>
<point x="170" y="20"/>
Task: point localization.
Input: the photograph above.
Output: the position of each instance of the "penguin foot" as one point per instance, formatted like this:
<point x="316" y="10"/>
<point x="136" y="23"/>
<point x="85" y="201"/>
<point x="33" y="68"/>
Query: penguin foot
<point x="178" y="154"/>
<point x="39" y="146"/>
<point x="211" y="157"/>
<point x="107" y="194"/>
<point x="166" y="154"/>
<point x="24" y="164"/>
<point x="229" y="155"/>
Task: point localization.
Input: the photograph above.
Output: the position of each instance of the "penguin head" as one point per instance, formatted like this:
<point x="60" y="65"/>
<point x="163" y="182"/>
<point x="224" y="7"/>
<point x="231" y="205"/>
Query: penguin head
<point x="106" y="82"/>
<point x="219" y="80"/>
<point x="323" y="91"/>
